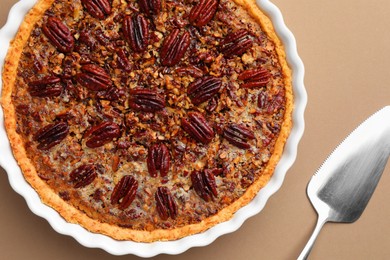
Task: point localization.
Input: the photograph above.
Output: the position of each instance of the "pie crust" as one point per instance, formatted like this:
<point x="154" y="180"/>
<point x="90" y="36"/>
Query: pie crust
<point x="93" y="222"/>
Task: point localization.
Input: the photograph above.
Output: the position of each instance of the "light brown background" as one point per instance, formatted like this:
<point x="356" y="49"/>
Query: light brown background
<point x="345" y="46"/>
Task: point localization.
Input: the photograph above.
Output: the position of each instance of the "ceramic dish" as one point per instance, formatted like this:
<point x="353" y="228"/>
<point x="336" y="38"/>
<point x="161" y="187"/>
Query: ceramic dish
<point x="115" y="247"/>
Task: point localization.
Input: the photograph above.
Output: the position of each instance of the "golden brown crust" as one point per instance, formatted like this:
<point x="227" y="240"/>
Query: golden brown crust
<point x="73" y="215"/>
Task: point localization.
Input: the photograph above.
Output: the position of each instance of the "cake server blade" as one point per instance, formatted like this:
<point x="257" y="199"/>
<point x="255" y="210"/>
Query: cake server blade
<point x="341" y="188"/>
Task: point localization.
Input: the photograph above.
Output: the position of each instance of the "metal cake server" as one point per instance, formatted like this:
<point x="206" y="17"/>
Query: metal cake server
<point x="343" y="185"/>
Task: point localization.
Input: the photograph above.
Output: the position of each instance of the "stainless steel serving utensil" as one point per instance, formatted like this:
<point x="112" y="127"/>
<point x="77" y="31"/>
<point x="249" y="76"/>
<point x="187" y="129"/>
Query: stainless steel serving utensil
<point x="343" y="185"/>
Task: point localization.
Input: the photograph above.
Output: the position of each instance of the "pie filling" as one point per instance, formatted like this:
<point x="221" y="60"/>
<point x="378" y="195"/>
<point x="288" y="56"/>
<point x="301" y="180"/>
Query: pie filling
<point x="149" y="114"/>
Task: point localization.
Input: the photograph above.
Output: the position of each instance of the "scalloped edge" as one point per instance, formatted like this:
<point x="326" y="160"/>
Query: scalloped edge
<point x="114" y="247"/>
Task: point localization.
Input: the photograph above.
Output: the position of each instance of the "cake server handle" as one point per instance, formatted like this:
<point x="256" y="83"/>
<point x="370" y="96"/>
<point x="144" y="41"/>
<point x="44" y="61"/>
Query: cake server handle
<point x="309" y="245"/>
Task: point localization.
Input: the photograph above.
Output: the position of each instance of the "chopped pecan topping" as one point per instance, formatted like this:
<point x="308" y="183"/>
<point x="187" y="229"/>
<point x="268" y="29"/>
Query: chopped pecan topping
<point x="254" y="78"/>
<point x="68" y="66"/>
<point x="204" y="89"/>
<point x="49" y="86"/>
<point x="189" y="70"/>
<point x="83" y="175"/>
<point x="97" y="8"/>
<point x="102" y="134"/>
<point x="136" y="32"/>
<point x="158" y="160"/>
<point x="94" y="77"/>
<point x="64" y="195"/>
<point x="197" y="127"/>
<point x="215" y="171"/>
<point x="124" y="192"/>
<point x="150" y="7"/>
<point x="203" y="12"/>
<point x="146" y="100"/>
<point x="51" y="135"/>
<point x="165" y="204"/>
<point x="174" y="47"/>
<point x="236" y="43"/>
<point x="238" y="135"/>
<point x="204" y="184"/>
<point x="58" y="34"/>
<point x="88" y="39"/>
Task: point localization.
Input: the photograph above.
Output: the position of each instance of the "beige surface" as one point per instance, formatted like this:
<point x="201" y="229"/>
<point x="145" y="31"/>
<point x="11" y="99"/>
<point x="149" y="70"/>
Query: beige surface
<point x="345" y="46"/>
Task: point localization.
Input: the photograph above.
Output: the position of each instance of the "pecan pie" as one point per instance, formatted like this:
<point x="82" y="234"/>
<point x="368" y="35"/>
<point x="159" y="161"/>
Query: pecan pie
<point x="147" y="120"/>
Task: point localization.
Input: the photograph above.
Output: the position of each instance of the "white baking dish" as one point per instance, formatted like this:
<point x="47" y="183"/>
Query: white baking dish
<point x="115" y="247"/>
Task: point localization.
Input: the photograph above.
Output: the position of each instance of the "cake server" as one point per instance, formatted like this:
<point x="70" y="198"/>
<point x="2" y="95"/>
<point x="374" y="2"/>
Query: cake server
<point x="341" y="188"/>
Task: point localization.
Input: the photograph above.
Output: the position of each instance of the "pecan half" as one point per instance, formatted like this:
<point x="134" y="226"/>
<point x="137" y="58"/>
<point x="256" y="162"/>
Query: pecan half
<point x="124" y="192"/>
<point x="174" y="47"/>
<point x="197" y="127"/>
<point x="146" y="100"/>
<point x="49" y="86"/>
<point x="150" y="7"/>
<point x="204" y="184"/>
<point x="51" y="135"/>
<point x="102" y="134"/>
<point x="165" y="204"/>
<point x="203" y="89"/>
<point x="94" y="77"/>
<point x="122" y="60"/>
<point x="203" y="12"/>
<point x="158" y="160"/>
<point x="83" y="175"/>
<point x="111" y="94"/>
<point x="212" y="105"/>
<point x="254" y="78"/>
<point x="271" y="104"/>
<point x="262" y="99"/>
<point x="58" y="34"/>
<point x="136" y="32"/>
<point x="236" y="43"/>
<point x="238" y="135"/>
<point x="97" y="8"/>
